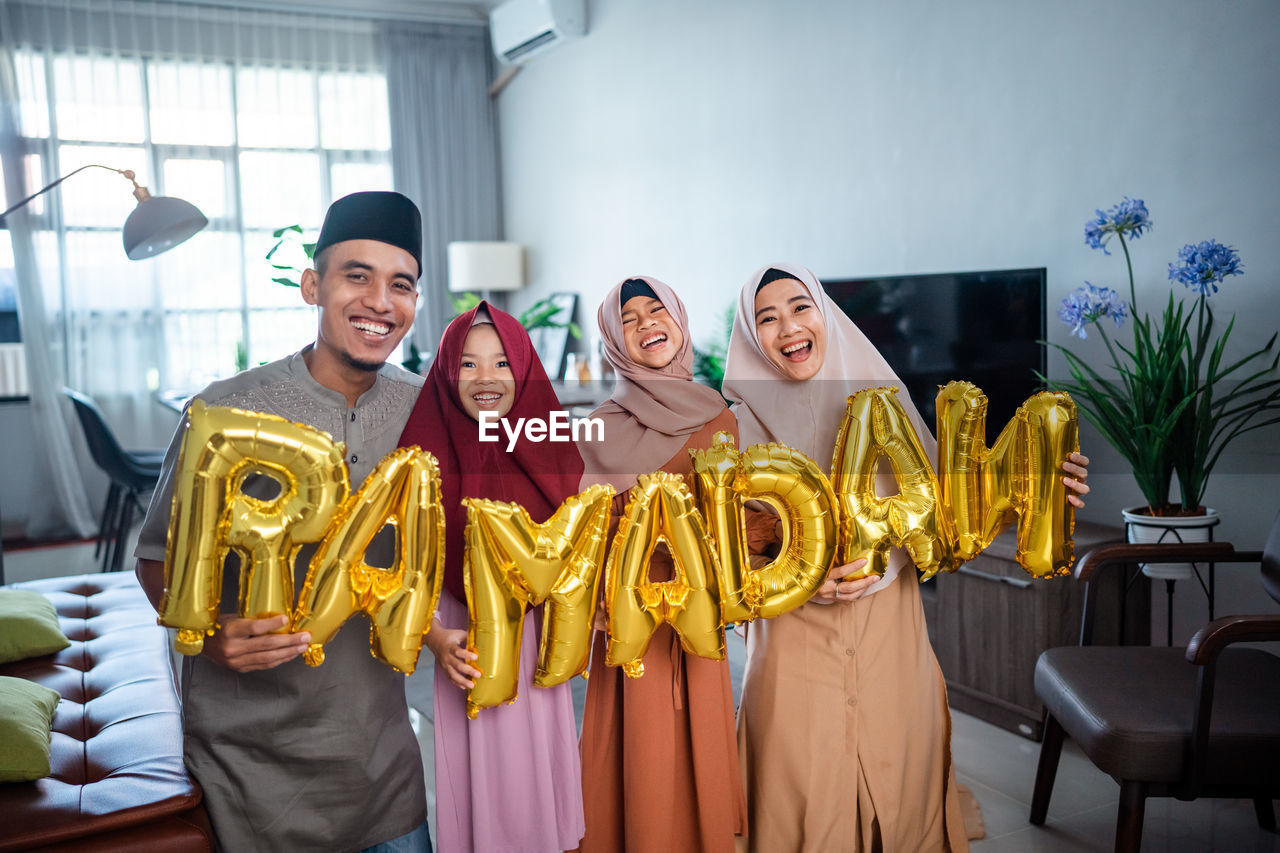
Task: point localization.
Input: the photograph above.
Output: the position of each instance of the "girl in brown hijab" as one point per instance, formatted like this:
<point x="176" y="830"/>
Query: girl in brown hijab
<point x="659" y="756"/>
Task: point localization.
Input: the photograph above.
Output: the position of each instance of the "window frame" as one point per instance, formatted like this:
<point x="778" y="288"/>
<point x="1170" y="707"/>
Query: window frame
<point x="50" y="218"/>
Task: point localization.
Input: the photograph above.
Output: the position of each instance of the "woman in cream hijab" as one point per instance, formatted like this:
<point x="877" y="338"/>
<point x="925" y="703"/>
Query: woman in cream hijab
<point x="843" y="730"/>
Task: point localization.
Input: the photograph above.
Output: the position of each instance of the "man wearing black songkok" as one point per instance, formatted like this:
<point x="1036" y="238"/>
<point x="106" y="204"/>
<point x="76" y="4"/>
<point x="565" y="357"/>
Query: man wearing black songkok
<point x="292" y="757"/>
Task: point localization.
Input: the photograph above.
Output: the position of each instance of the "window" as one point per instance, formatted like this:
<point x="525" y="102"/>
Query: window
<point x="255" y="148"/>
<point x="13" y="375"/>
<point x="9" y="333"/>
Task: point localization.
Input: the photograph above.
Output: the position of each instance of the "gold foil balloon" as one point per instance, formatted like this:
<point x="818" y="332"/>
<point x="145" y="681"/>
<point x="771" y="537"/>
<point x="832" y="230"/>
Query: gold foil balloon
<point x="406" y="598"/>
<point x="404" y="491"/>
<point x="512" y="563"/>
<point x="211" y="514"/>
<point x="1016" y="480"/>
<point x="876" y="427"/>
<point x="791" y="483"/>
<point x="661" y="509"/>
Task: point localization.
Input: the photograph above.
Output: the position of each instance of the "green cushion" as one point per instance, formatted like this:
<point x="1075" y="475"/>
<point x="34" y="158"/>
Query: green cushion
<point x="26" y="714"/>
<point x="28" y="626"/>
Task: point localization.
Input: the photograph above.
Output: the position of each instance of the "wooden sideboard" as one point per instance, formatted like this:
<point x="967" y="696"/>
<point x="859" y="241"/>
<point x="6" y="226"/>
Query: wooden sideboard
<point x="990" y="620"/>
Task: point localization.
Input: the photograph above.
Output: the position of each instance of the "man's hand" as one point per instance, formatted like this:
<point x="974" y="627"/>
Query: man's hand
<point x="249" y="644"/>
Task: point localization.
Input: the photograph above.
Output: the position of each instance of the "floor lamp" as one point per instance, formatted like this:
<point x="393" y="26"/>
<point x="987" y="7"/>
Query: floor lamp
<point x="157" y="224"/>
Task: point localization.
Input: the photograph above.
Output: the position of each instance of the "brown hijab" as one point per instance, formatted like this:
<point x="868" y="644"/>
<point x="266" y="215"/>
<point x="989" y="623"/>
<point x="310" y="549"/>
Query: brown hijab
<point x="651" y="412"/>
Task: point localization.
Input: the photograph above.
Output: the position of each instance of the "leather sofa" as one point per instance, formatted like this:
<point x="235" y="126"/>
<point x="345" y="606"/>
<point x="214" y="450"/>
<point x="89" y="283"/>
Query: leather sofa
<point x="118" y="781"/>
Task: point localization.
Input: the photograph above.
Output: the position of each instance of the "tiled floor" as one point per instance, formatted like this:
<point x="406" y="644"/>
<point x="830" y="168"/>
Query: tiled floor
<point x="999" y="767"/>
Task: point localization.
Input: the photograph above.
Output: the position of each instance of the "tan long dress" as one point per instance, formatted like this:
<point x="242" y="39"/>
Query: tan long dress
<point x="844" y="731"/>
<point x="659" y="753"/>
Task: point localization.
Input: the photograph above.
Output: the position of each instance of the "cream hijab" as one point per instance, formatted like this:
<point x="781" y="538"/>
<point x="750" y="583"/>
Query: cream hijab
<point x="651" y="413"/>
<point x="806" y="414"/>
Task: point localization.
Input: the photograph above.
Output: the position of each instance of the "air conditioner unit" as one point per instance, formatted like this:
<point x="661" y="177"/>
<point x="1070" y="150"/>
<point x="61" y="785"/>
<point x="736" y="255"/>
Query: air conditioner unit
<point x="522" y="29"/>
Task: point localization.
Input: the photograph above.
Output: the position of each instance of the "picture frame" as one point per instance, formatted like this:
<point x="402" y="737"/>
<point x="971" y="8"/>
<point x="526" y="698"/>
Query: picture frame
<point x="552" y="342"/>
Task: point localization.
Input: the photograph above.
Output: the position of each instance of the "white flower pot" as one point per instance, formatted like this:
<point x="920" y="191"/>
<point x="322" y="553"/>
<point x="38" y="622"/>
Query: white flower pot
<point x="1143" y="528"/>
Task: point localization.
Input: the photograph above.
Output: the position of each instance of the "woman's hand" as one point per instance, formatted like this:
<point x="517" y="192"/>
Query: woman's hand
<point x="836" y="590"/>
<point x="449" y="646"/>
<point x="1077" y="465"/>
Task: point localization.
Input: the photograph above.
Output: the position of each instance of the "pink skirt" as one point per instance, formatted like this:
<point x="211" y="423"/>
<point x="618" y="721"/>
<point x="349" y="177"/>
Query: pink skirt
<point x="509" y="780"/>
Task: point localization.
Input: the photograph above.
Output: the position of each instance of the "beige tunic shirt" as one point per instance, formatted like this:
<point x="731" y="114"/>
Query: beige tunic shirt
<point x="844" y="732"/>
<point x="296" y="757"/>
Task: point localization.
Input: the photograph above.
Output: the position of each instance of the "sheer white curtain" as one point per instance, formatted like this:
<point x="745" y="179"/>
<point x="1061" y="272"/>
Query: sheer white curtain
<point x="260" y="119"/>
<point x="62" y="504"/>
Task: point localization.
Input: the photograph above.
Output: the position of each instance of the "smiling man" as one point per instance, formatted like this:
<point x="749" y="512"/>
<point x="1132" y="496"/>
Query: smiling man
<point x="292" y="757"/>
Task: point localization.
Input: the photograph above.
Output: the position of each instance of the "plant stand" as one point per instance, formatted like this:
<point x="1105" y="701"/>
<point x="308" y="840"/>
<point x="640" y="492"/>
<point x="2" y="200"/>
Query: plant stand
<point x="1141" y="528"/>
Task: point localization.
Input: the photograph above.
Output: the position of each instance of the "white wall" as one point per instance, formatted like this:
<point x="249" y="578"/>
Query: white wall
<point x="696" y="141"/>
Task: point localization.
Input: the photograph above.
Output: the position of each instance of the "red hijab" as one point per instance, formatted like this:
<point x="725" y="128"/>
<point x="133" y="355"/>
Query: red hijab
<point x="538" y="476"/>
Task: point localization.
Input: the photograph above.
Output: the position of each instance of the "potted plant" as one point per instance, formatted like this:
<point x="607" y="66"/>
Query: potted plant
<point x="542" y="314"/>
<point x="708" y="362"/>
<point x="1172" y="400"/>
<point x="289" y="241"/>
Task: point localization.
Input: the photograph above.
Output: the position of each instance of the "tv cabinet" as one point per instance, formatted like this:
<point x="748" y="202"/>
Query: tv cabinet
<point x="989" y="622"/>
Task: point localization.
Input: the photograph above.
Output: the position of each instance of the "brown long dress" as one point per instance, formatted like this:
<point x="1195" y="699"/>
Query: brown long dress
<point x="844" y="730"/>
<point x="659" y="753"/>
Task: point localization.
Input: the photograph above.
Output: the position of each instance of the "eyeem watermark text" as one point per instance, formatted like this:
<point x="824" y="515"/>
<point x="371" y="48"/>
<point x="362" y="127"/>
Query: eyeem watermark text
<point x="561" y="427"/>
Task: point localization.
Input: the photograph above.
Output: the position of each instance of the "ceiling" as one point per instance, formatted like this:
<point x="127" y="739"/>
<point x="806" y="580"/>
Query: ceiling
<point x="408" y="10"/>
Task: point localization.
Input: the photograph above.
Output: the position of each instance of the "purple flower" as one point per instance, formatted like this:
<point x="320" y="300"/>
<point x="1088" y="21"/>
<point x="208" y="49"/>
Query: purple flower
<point x="1128" y="217"/>
<point x="1089" y="304"/>
<point x="1202" y="265"/>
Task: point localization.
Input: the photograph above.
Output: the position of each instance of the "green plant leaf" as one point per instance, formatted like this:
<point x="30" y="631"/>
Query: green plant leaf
<point x="464" y="303"/>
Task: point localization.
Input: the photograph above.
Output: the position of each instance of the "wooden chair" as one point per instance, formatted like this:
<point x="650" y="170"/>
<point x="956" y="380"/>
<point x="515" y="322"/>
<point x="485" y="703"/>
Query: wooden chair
<point x="1203" y="721"/>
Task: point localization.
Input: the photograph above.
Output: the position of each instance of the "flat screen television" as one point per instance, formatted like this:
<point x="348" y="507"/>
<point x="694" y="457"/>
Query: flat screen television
<point x="982" y="327"/>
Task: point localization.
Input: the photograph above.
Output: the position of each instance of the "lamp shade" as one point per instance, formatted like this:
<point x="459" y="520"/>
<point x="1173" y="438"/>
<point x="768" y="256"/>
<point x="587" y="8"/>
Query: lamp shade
<point x="155" y="225"/>
<point x="478" y="265"/>
<point x="159" y="223"/>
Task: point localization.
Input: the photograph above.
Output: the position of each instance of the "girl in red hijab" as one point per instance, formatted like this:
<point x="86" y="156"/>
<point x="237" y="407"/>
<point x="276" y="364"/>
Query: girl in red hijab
<point x="510" y="779"/>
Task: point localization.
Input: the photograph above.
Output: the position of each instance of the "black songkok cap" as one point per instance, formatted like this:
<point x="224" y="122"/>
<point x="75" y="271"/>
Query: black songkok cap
<point x="633" y="287"/>
<point x="383" y="216"/>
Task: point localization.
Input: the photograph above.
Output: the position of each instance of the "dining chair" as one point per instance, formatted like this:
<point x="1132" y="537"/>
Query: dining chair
<point x="132" y="475"/>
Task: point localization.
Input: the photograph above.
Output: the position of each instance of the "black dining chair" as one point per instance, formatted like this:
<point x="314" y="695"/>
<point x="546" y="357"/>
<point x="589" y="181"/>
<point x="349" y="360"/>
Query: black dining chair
<point x="132" y="474"/>
<point x="1203" y="721"/>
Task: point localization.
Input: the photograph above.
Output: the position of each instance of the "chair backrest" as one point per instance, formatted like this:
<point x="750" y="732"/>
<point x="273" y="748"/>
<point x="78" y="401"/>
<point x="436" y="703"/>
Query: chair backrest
<point x="103" y="446"/>
<point x="1271" y="561"/>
